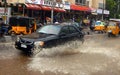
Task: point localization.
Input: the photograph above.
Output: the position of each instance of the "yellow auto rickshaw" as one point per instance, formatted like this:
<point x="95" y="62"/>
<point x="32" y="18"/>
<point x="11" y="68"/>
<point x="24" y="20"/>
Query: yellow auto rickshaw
<point x="113" y="27"/>
<point x="22" y="25"/>
<point x="99" y="26"/>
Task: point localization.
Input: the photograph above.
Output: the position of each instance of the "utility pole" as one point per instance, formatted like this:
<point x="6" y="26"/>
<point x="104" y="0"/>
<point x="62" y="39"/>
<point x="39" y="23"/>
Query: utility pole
<point x="5" y="11"/>
<point x="103" y="9"/>
<point x="52" y="11"/>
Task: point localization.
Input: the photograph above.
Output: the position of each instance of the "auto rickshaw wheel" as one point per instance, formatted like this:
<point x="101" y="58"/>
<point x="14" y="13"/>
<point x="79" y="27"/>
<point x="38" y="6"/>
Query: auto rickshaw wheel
<point x="21" y="34"/>
<point x="12" y="33"/>
<point x="109" y="34"/>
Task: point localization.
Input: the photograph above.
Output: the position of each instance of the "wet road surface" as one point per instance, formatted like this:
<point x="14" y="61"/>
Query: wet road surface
<point x="98" y="55"/>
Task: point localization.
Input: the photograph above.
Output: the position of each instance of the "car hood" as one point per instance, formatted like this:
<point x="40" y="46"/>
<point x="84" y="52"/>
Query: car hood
<point x="38" y="37"/>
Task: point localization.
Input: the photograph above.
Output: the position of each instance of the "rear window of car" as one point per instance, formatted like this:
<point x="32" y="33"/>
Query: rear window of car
<point x="50" y="29"/>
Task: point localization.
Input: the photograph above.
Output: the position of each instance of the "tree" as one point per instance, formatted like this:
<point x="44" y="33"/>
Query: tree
<point x="111" y="6"/>
<point x="114" y="7"/>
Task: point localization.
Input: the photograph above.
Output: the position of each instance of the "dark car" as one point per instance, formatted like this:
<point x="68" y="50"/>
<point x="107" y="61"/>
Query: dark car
<point x="48" y="36"/>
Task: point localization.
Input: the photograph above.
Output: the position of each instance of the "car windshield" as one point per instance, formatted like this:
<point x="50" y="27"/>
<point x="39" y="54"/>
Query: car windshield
<point x="50" y="29"/>
<point x="97" y="23"/>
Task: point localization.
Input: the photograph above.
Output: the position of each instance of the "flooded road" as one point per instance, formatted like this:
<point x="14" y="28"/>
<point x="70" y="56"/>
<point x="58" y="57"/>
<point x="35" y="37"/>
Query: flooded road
<point x="98" y="55"/>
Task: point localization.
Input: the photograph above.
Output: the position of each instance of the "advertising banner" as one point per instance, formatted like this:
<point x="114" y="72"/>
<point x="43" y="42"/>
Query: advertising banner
<point x="5" y="14"/>
<point x="67" y="5"/>
<point x="101" y="11"/>
<point x="35" y="1"/>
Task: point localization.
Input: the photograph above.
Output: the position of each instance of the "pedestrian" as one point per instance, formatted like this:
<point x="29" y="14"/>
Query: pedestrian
<point x="48" y="20"/>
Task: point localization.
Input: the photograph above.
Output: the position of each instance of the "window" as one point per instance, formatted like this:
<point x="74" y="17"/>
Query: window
<point x="101" y="5"/>
<point x="64" y="30"/>
<point x="87" y="3"/>
<point x="82" y="2"/>
<point x="49" y="29"/>
<point x="72" y="29"/>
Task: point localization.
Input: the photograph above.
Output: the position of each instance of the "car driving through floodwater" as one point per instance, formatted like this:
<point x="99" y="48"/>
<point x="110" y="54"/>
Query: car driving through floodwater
<point x="48" y="36"/>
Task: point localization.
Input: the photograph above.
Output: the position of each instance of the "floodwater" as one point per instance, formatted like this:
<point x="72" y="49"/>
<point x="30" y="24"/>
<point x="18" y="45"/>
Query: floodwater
<point x="98" y="55"/>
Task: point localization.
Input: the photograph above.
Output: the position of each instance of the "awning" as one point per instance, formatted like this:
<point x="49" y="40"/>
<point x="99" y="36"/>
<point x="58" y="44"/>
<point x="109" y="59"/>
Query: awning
<point x="59" y="10"/>
<point x="47" y="8"/>
<point x="79" y="8"/>
<point x="33" y="6"/>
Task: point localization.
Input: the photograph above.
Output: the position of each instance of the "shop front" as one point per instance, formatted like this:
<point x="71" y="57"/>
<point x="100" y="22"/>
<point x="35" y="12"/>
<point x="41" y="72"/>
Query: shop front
<point x="102" y="14"/>
<point x="45" y="8"/>
<point x="5" y="13"/>
<point x="79" y="12"/>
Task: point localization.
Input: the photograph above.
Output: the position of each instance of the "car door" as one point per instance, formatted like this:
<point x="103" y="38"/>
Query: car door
<point x="73" y="32"/>
<point x="64" y="34"/>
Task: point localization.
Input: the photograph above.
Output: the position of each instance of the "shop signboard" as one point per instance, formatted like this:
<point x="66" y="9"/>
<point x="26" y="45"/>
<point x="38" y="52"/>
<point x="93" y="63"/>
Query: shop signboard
<point x="45" y="2"/>
<point x="35" y="1"/>
<point x="106" y="12"/>
<point x="67" y="5"/>
<point x="101" y="11"/>
<point x="5" y="13"/>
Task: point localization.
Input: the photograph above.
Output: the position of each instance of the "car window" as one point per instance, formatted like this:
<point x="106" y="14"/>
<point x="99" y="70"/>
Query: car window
<point x="50" y="29"/>
<point x="64" y="30"/>
<point x="97" y="23"/>
<point x="73" y="29"/>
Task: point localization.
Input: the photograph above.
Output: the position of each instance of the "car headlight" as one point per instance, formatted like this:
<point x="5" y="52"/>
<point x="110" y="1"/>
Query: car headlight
<point x="39" y="43"/>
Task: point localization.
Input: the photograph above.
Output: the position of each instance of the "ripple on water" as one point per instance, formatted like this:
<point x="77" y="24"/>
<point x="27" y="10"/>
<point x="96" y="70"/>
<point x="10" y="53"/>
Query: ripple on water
<point x="74" y="59"/>
<point x="7" y="50"/>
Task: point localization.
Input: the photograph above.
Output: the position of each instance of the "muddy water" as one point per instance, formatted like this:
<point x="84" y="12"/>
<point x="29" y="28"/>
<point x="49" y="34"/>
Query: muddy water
<point x="98" y="55"/>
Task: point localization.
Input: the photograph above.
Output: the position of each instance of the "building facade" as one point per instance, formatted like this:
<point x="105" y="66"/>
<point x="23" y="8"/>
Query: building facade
<point x="72" y="7"/>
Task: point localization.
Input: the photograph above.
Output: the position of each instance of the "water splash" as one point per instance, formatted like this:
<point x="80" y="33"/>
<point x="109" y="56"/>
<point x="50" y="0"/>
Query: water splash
<point x="90" y="57"/>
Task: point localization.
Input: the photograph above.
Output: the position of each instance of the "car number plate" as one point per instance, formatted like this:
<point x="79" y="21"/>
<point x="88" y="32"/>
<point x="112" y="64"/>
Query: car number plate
<point x="24" y="46"/>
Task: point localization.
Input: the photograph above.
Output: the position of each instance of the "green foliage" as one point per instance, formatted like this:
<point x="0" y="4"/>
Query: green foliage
<point x="112" y="6"/>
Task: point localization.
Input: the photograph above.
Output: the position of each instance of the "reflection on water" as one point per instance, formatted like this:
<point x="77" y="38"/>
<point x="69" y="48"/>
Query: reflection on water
<point x="98" y="55"/>
<point x="7" y="51"/>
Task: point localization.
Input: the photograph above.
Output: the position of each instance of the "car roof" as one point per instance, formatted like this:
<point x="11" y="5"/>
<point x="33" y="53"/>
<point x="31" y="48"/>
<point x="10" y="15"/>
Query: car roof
<point x="116" y="20"/>
<point x="60" y="25"/>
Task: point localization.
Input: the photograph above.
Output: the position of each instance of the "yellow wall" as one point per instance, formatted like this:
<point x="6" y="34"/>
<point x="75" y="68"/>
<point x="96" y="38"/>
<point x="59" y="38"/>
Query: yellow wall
<point x="71" y="1"/>
<point x="95" y="3"/>
<point x="15" y="1"/>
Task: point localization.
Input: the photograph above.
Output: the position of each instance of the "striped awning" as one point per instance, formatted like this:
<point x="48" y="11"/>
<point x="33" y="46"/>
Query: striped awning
<point x="33" y="6"/>
<point x="79" y="8"/>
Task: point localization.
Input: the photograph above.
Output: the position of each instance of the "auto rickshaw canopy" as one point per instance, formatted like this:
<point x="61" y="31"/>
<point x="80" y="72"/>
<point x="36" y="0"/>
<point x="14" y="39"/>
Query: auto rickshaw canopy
<point x="20" y="21"/>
